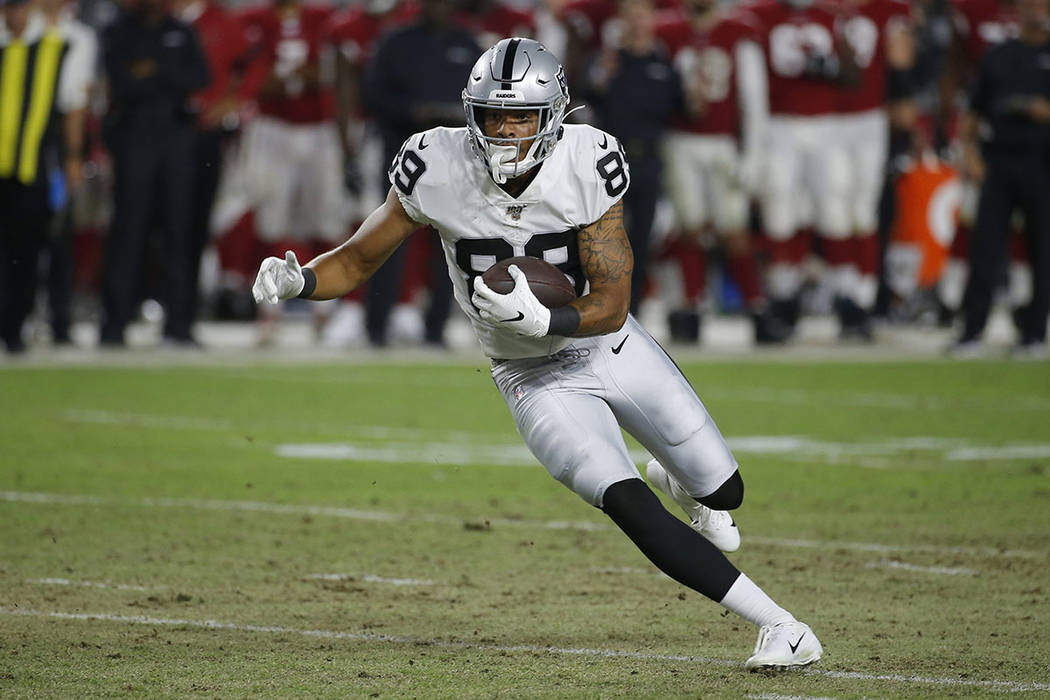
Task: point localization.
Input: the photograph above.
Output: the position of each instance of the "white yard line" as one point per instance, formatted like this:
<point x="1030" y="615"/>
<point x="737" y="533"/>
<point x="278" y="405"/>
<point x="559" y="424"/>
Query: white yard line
<point x="980" y="454"/>
<point x="89" y="584"/>
<point x="369" y="578"/>
<point x="458" y="521"/>
<point x="893" y="402"/>
<point x="459" y="447"/>
<point x="168" y="422"/>
<point x="904" y="566"/>
<point x="143" y="420"/>
<point x="999" y="685"/>
<point x="778" y="696"/>
<point x="878" y="454"/>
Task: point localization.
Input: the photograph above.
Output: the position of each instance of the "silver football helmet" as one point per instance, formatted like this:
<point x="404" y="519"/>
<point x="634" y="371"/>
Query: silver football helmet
<point x="515" y="74"/>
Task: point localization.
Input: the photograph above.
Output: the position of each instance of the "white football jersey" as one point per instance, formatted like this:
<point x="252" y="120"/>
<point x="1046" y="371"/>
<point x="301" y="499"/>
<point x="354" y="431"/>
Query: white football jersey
<point x="440" y="182"/>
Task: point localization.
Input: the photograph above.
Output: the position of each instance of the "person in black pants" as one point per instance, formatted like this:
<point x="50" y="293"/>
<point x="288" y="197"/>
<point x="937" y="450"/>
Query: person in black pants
<point x="412" y="84"/>
<point x="1011" y="98"/>
<point x="36" y="73"/>
<point x="154" y="63"/>
<point x="635" y="91"/>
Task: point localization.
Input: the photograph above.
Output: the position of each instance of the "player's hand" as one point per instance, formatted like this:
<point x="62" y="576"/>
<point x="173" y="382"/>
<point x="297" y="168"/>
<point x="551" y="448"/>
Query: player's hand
<point x="278" y="279"/>
<point x="518" y="310"/>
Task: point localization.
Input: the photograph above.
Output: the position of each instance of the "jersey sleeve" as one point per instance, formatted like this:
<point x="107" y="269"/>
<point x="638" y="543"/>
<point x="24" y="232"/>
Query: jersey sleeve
<point x="419" y="173"/>
<point x="605" y="174"/>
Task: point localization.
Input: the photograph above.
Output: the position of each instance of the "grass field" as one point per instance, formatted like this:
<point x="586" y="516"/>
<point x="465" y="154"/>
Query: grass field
<point x="378" y="530"/>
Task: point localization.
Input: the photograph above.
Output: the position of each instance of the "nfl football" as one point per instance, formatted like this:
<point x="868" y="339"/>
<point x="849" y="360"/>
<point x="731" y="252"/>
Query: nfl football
<point x="548" y="283"/>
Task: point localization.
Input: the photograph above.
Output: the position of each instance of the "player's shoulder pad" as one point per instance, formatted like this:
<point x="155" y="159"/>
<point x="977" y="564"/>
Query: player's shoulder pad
<point x="600" y="165"/>
<point x="424" y="166"/>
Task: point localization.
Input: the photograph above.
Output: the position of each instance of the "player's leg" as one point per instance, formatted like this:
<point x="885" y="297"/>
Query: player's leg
<point x="654" y="402"/>
<point x="685" y="181"/>
<point x="279" y="171"/>
<point x="780" y="206"/>
<point x="691" y="560"/>
<point x="828" y="174"/>
<point x="576" y="437"/>
<point x="870" y="145"/>
<point x="731" y="214"/>
<point x="324" y="205"/>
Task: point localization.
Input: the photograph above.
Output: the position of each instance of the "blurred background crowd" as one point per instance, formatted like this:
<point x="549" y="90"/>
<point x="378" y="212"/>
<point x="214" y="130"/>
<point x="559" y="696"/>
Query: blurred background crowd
<point x="876" y="161"/>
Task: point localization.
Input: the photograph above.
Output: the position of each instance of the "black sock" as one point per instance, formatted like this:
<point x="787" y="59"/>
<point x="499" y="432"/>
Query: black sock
<point x="674" y="547"/>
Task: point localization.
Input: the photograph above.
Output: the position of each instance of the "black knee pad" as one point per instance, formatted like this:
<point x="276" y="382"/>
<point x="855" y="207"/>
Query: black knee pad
<point x="728" y="496"/>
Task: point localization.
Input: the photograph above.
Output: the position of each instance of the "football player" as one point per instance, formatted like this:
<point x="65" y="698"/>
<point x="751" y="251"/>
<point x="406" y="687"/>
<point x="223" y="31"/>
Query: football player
<point x="292" y="154"/>
<point x="878" y="34"/>
<point x="517" y="181"/>
<point x="808" y="173"/>
<point x="713" y="153"/>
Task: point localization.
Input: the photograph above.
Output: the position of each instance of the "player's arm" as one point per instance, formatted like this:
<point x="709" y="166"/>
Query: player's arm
<point x="333" y="274"/>
<point x="345" y="268"/>
<point x="607" y="261"/>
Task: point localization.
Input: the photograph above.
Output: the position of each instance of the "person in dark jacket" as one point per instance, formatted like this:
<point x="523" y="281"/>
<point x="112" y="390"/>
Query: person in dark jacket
<point x="154" y="64"/>
<point x="1011" y="101"/>
<point x="414" y="83"/>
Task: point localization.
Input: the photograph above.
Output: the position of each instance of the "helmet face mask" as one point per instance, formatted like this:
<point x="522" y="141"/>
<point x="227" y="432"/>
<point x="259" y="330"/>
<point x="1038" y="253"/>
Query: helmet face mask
<point x="516" y="75"/>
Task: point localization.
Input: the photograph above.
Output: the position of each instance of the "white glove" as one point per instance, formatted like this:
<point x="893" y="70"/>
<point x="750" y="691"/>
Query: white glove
<point x="278" y="279"/>
<point x="518" y="310"/>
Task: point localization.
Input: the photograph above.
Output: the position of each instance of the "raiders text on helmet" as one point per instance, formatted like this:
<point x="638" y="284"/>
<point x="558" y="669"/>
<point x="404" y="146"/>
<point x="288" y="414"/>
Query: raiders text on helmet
<point x="518" y="74"/>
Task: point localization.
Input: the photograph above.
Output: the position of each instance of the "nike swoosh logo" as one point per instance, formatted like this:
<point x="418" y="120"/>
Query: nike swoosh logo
<point x="798" y="641"/>
<point x="618" y="348"/>
<point x="520" y="316"/>
<point x="605" y="142"/>
<point x="421" y="144"/>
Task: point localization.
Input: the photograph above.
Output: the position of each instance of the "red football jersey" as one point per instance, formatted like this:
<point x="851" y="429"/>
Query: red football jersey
<point x="864" y="28"/>
<point x="673" y="29"/>
<point x="790" y="36"/>
<point x="284" y="43"/>
<point x="982" y="24"/>
<point x="707" y="59"/>
<point x="224" y="46"/>
<point x="587" y="17"/>
<point x="497" y="22"/>
<point x="354" y="32"/>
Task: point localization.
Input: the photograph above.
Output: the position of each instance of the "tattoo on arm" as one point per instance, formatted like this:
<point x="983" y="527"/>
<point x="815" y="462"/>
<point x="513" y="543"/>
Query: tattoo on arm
<point x="607" y="260"/>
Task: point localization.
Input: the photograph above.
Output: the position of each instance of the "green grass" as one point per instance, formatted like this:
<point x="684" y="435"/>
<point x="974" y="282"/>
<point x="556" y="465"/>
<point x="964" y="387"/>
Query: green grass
<point x="925" y="575"/>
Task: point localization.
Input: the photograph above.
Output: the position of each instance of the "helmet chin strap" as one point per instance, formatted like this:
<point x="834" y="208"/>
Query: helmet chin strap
<point x="499" y="155"/>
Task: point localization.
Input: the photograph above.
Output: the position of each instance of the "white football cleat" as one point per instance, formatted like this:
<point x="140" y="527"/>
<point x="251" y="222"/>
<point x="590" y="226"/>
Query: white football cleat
<point x="716" y="525"/>
<point x="783" y="646"/>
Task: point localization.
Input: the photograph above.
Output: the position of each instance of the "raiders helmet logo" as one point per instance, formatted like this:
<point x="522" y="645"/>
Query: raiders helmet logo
<point x="514" y="211"/>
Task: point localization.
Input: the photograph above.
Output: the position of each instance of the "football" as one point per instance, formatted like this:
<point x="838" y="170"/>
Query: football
<point x="548" y="283"/>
